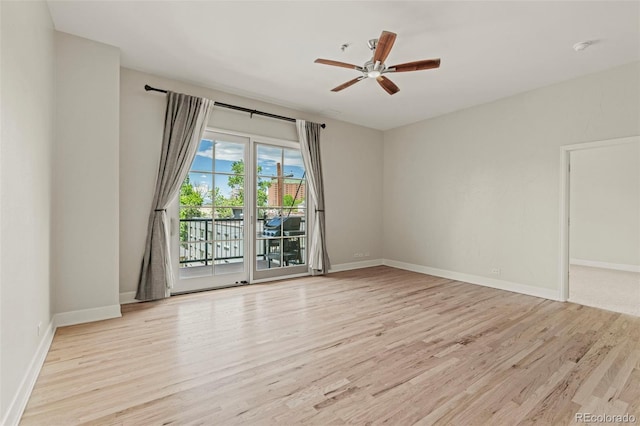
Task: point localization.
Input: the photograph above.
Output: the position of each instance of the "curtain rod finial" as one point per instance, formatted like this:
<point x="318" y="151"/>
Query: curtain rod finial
<point x="153" y="89"/>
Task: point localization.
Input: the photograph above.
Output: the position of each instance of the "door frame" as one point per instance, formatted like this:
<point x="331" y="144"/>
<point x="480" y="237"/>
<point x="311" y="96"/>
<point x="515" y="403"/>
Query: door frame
<point x="565" y="176"/>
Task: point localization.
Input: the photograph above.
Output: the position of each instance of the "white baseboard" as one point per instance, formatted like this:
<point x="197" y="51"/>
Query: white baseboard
<point x="86" y="315"/>
<point x="19" y="402"/>
<point x="128" y="297"/>
<point x="544" y="293"/>
<point x="356" y="265"/>
<point x="605" y="265"/>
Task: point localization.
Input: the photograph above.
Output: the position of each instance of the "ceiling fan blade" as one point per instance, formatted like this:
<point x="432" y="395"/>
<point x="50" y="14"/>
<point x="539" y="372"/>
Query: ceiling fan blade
<point x="426" y="64"/>
<point x="388" y="85"/>
<point x="337" y="64"/>
<point x="385" y="43"/>
<point x="347" y="84"/>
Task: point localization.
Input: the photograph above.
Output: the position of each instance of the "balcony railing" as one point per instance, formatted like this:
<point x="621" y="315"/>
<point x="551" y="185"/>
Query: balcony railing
<point x="205" y="241"/>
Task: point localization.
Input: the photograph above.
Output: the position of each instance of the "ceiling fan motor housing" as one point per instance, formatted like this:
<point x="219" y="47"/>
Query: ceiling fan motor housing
<point x="373" y="69"/>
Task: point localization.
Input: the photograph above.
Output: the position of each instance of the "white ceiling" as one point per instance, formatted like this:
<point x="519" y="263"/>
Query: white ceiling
<point x="265" y="49"/>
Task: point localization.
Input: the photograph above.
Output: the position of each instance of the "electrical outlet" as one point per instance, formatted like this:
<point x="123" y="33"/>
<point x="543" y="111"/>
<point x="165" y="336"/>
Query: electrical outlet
<point x="495" y="271"/>
<point x="367" y="254"/>
<point x="357" y="254"/>
<point x="39" y="328"/>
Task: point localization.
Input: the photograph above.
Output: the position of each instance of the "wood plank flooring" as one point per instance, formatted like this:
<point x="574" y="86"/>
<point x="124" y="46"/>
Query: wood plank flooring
<point x="372" y="346"/>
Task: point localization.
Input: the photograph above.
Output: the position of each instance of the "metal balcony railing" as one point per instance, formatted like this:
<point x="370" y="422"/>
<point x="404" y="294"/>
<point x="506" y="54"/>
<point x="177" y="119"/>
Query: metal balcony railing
<point x="206" y="241"/>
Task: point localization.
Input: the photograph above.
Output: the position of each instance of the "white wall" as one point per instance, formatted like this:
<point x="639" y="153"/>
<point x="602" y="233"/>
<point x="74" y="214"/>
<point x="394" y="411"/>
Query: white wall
<point x="605" y="204"/>
<point x="86" y="198"/>
<point x="26" y="139"/>
<point x="351" y="155"/>
<point x="479" y="188"/>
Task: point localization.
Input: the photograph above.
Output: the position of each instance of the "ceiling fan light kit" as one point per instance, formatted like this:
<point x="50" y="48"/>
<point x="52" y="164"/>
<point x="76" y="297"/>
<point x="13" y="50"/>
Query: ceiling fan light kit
<point x="376" y="67"/>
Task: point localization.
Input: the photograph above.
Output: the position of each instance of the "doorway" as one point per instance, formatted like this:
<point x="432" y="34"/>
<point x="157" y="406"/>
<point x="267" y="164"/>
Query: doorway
<point x="602" y="207"/>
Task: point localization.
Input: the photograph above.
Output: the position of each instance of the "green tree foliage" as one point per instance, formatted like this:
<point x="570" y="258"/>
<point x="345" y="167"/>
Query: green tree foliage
<point x="191" y="199"/>
<point x="222" y="204"/>
<point x="287" y="200"/>
<point x="236" y="183"/>
<point x="218" y="198"/>
<point x="190" y="204"/>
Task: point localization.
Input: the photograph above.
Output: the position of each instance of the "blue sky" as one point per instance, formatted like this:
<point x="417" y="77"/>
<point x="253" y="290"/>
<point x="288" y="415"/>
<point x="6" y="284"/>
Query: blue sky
<point x="227" y="152"/>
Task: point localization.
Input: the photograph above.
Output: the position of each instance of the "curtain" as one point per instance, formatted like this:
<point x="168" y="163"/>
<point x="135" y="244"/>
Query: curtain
<point x="309" y="135"/>
<point x="185" y="121"/>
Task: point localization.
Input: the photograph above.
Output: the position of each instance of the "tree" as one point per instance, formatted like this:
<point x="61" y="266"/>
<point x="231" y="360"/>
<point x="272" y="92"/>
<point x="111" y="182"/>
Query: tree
<point x="190" y="204"/>
<point x="263" y="187"/>
<point x="190" y="200"/>
<point x="288" y="201"/>
<point x="220" y="200"/>
<point x="236" y="183"/>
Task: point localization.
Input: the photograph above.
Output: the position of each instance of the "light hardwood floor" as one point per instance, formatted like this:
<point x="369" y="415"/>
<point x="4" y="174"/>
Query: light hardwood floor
<point x="377" y="345"/>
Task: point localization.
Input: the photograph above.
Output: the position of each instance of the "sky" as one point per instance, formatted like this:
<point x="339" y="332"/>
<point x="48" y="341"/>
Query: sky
<point x="226" y="153"/>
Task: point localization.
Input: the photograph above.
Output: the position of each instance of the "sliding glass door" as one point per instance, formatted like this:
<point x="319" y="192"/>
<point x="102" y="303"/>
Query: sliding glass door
<point x="235" y="224"/>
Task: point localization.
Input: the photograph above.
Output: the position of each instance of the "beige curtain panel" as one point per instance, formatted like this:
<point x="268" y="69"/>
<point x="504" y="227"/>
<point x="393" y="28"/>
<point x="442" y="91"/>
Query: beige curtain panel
<point x="185" y="121"/>
<point x="309" y="135"/>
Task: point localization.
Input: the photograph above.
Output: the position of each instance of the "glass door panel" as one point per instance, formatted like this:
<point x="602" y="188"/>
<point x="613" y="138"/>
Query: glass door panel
<point x="280" y="212"/>
<point x="212" y="237"/>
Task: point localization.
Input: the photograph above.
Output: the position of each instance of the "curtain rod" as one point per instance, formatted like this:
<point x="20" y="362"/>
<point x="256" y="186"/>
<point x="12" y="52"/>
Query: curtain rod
<point x="237" y="108"/>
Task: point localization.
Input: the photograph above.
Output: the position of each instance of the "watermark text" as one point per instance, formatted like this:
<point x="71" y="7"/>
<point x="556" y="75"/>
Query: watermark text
<point x="604" y="418"/>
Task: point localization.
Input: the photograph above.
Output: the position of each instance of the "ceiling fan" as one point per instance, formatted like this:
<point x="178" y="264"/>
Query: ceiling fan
<point x="375" y="68"/>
